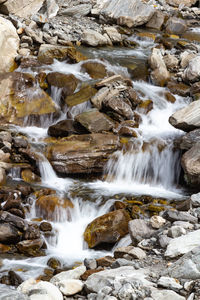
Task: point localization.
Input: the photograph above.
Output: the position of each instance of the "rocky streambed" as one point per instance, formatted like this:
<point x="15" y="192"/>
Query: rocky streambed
<point x="99" y="149"/>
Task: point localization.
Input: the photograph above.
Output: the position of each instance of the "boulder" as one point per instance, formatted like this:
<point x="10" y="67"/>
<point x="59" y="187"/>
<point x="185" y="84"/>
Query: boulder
<point x="31" y="247"/>
<point x="180" y="88"/>
<point x="20" y="99"/>
<point x="108" y="228"/>
<point x="165" y="295"/>
<point x="139" y="230"/>
<point x="83" y="95"/>
<point x="176" y="3"/>
<point x="66" y="81"/>
<point x="186" y="56"/>
<point x="187" y="267"/>
<point x="118" y="106"/>
<point x="9" y="234"/>
<point x="183" y="244"/>
<point x="9" y="45"/>
<point x="159" y="75"/>
<point x="157" y="21"/>
<point x="47" y="53"/>
<point x="21" y="8"/>
<point x="94" y="38"/>
<point x="113" y="34"/>
<point x="171" y="61"/>
<point x="80" y="10"/>
<point x="191" y="165"/>
<point x="176" y="26"/>
<point x="87" y="153"/>
<point x="63" y="128"/>
<point x="70" y="287"/>
<point x="17" y="222"/>
<point x="75" y="273"/>
<point x="187" y="118"/>
<point x="94" y="121"/>
<point x="192" y="72"/>
<point x="130" y="13"/>
<point x="96" y="70"/>
<point x="190" y="139"/>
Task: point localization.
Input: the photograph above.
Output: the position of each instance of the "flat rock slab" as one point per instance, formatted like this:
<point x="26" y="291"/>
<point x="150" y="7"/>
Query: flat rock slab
<point x="21" y="8"/>
<point x="183" y="244"/>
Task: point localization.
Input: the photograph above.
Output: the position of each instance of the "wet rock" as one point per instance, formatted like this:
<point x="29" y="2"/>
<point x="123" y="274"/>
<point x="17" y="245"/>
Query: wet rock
<point x="183" y="244"/>
<point x="71" y="274"/>
<point x="67" y="81"/>
<point x="108" y="228"/>
<point x="83" y="95"/>
<point x="129" y="13"/>
<point x="96" y="70"/>
<point x="159" y="75"/>
<point x="93" y="38"/>
<point x="191" y="164"/>
<point x="9" y="234"/>
<point x="31" y="247"/>
<point x="21" y="8"/>
<point x="82" y="154"/>
<point x="28" y="176"/>
<point x="63" y="128"/>
<point x="127" y="131"/>
<point x="176" y="3"/>
<point x="94" y="121"/>
<point x="190" y="139"/>
<point x="145" y="106"/>
<point x="9" y="44"/>
<point x="139" y="230"/>
<point x="49" y="205"/>
<point x="20" y="142"/>
<point x="40" y="290"/>
<point x="117" y="105"/>
<point x="105" y="261"/>
<point x="176" y="26"/>
<point x="15" y="279"/>
<point x="103" y="93"/>
<point x="13" y="220"/>
<point x="180" y="89"/>
<point x="157" y="21"/>
<point x="157" y="222"/>
<point x="47" y="53"/>
<point x="32" y="232"/>
<point x="173" y="215"/>
<point x="17" y="91"/>
<point x="192" y="72"/>
<point x="186" y="118"/>
<point x="186" y="267"/>
<point x="45" y="226"/>
<point x="54" y="263"/>
<point x="90" y="263"/>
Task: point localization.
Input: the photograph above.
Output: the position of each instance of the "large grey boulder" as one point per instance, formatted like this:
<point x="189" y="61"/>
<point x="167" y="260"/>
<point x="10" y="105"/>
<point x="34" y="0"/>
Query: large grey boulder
<point x="9" y="45"/>
<point x="190" y="139"/>
<point x="192" y="72"/>
<point x="94" y="38"/>
<point x="191" y="164"/>
<point x="187" y="118"/>
<point x="187" y="267"/>
<point x="183" y="244"/>
<point x="21" y="8"/>
<point x="130" y="13"/>
<point x="139" y="230"/>
<point x="176" y="26"/>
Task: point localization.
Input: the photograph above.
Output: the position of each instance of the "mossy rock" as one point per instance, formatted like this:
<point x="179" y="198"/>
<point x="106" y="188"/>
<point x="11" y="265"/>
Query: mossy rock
<point x="146" y="106"/>
<point x="108" y="228"/>
<point x="83" y="95"/>
<point x="66" y="81"/>
<point x="30" y="177"/>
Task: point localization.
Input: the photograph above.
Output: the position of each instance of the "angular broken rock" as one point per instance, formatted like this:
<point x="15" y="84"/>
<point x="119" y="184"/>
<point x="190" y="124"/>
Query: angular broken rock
<point x="139" y="230"/>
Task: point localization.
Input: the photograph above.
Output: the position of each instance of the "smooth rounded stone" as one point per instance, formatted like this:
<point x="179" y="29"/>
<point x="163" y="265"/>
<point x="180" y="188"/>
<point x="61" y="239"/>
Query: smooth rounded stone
<point x="114" y="277"/>
<point x="94" y="121"/>
<point x="120" y="252"/>
<point x="176" y="26"/>
<point x="164" y="240"/>
<point x="183" y="244"/>
<point x="125" y="12"/>
<point x="45" y="226"/>
<point x="9" y="45"/>
<point x="174" y="215"/>
<point x="186" y="56"/>
<point x="139" y="230"/>
<point x="191" y="165"/>
<point x="176" y="231"/>
<point x="195" y="200"/>
<point x="94" y="38"/>
<point x="160" y="74"/>
<point x="169" y="283"/>
<point x="186" y="267"/>
<point x="30" y="247"/>
<point x="108" y="228"/>
<point x="165" y="295"/>
<point x="192" y="72"/>
<point x="44" y="290"/>
<point x="90" y="263"/>
<point x="187" y="118"/>
<point x="137" y="253"/>
<point x="71" y="274"/>
<point x="190" y="139"/>
<point x="157" y="222"/>
<point x="69" y="287"/>
<point x="156" y="21"/>
<point x="54" y="263"/>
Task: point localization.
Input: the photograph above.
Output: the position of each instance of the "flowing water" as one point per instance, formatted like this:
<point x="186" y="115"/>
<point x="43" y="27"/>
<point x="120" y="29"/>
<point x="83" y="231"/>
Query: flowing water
<point x="149" y="167"/>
